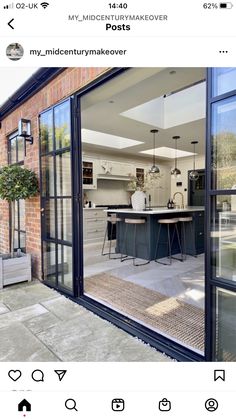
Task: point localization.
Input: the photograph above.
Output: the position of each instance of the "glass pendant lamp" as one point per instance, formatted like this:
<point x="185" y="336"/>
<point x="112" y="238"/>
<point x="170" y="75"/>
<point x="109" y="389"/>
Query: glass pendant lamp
<point x="154" y="169"/>
<point x="193" y="175"/>
<point x="176" y="173"/>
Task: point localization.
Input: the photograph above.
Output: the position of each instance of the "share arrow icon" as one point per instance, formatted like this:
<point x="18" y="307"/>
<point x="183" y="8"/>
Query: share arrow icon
<point x="61" y="374"/>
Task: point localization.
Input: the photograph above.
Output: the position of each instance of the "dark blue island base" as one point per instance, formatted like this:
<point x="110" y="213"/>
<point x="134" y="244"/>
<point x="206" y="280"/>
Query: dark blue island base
<point x="146" y="234"/>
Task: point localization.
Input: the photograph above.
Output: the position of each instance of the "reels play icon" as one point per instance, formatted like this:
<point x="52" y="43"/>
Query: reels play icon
<point x="118" y="405"/>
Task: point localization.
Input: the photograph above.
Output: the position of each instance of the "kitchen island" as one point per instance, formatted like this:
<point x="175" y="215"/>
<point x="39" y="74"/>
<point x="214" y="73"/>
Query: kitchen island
<point x="146" y="236"/>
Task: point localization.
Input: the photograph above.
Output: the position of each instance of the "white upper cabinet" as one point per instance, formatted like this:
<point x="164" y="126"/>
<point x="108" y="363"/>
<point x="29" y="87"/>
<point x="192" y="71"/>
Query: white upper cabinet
<point x="115" y="168"/>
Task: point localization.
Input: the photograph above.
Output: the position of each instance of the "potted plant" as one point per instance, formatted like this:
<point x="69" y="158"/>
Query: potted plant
<point x="16" y="183"/>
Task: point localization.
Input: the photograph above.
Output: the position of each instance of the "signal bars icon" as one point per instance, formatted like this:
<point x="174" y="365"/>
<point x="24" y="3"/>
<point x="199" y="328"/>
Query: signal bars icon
<point x="8" y="6"/>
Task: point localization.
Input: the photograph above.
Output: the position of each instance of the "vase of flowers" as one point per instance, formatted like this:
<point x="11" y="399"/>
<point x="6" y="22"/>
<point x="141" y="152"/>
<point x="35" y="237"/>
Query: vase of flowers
<point x="140" y="186"/>
<point x="138" y="200"/>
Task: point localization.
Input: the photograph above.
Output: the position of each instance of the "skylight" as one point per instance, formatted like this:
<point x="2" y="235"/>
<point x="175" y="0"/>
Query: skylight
<point x="107" y="140"/>
<point x="176" y="109"/>
<point x="167" y="152"/>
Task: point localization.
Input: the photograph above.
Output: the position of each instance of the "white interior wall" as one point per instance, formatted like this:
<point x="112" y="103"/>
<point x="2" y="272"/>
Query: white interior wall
<point x="109" y="192"/>
<point x="115" y="192"/>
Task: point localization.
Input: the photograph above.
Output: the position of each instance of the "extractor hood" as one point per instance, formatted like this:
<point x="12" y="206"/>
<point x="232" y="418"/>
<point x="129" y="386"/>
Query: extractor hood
<point x="109" y="176"/>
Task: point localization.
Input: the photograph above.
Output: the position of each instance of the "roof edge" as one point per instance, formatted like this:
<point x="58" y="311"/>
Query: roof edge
<point x="36" y="82"/>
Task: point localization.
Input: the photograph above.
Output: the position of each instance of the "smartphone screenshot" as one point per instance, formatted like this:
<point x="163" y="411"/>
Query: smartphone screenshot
<point x="117" y="209"/>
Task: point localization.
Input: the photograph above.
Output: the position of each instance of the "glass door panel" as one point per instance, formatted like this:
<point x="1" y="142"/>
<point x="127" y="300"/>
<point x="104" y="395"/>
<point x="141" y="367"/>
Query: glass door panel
<point x="56" y="201"/>
<point x="63" y="174"/>
<point x="225" y="331"/>
<point x="224" y="80"/>
<point x="47" y="178"/>
<point x="49" y="262"/>
<point x="224" y="144"/>
<point x="64" y="226"/>
<point x="65" y="266"/>
<point x="223" y="234"/>
<point x="221" y="215"/>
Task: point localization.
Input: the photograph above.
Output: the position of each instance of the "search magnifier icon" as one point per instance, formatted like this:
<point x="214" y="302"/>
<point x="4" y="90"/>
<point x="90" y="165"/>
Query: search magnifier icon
<point x="71" y="404"/>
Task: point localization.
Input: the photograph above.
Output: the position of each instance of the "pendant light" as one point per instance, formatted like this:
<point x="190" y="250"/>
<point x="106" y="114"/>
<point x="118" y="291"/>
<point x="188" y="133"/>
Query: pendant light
<point x="154" y="169"/>
<point x="175" y="172"/>
<point x="194" y="175"/>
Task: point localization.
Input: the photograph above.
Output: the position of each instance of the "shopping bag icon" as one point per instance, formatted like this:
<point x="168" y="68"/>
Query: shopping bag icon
<point x="164" y="405"/>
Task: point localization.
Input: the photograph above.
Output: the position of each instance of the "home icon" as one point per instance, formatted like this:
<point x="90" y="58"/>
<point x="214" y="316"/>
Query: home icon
<point x="24" y="405"/>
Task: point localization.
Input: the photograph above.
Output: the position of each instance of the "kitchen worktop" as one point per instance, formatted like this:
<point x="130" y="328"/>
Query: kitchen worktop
<point x="158" y="210"/>
<point x="95" y="208"/>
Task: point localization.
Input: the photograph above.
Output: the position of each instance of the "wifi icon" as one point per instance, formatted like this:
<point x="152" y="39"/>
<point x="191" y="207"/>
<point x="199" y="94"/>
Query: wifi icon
<point x="44" y="4"/>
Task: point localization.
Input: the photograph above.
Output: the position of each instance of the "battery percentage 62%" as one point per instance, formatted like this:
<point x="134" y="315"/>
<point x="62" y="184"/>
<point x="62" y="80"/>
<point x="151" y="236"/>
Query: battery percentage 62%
<point x="214" y="6"/>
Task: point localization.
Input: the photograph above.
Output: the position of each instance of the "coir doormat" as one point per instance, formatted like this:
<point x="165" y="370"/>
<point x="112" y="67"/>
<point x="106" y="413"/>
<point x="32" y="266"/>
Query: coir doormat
<point x="169" y="315"/>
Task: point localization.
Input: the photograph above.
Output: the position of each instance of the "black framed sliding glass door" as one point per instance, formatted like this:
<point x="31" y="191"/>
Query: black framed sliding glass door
<point x="56" y="197"/>
<point x="221" y="215"/>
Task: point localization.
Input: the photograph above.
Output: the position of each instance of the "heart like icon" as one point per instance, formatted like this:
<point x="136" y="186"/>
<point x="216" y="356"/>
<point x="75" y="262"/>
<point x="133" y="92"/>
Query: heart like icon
<point x="14" y="374"/>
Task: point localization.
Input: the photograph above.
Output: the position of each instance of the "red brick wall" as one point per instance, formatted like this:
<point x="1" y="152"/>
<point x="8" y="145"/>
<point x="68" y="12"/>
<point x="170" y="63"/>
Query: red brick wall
<point x="68" y="82"/>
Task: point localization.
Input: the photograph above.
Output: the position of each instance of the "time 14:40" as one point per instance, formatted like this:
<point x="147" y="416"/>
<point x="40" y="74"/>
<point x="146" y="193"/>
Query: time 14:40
<point x="118" y="5"/>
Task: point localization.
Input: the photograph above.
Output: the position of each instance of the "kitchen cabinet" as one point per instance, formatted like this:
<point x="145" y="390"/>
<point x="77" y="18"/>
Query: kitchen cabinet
<point x="146" y="234"/>
<point x="89" y="175"/>
<point x="94" y="225"/>
<point x="198" y="231"/>
<point x="140" y="175"/>
<point x="115" y="168"/>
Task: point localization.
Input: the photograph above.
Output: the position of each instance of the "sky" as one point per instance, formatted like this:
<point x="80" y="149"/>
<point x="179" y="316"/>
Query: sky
<point x="11" y="79"/>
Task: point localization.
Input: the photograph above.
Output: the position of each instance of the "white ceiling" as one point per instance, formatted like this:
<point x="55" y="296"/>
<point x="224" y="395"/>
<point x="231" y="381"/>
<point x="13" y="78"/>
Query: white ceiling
<point x="103" y="107"/>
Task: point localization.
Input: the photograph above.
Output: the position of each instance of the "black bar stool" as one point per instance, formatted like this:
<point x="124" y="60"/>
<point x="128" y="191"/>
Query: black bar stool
<point x="183" y="222"/>
<point x="168" y="222"/>
<point x="133" y="222"/>
<point x="112" y="220"/>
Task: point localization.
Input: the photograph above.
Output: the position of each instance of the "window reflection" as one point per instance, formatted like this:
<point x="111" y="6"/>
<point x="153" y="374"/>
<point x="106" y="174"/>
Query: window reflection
<point x="225" y="324"/>
<point x="224" y="80"/>
<point x="49" y="262"/>
<point x="65" y="267"/>
<point x="13" y="156"/>
<point x="223" y="235"/>
<point x="46" y="132"/>
<point x="64" y="224"/>
<point x="47" y="166"/>
<point x="62" y="125"/>
<point x="21" y="151"/>
<point x="224" y="144"/>
<point x="50" y="219"/>
<point x="63" y="168"/>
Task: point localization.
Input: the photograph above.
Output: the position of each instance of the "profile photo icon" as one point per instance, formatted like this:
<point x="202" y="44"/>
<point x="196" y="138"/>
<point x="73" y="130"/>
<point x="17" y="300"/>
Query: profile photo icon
<point x="14" y="51"/>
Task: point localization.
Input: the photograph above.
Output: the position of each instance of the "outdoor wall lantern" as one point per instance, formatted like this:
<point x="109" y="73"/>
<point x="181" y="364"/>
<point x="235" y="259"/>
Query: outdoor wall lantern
<point x="24" y="130"/>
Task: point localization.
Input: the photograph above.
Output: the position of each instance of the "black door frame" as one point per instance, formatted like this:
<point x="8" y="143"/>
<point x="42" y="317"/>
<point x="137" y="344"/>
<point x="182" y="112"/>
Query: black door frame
<point x="160" y="342"/>
<point x="212" y="283"/>
<point x="58" y="286"/>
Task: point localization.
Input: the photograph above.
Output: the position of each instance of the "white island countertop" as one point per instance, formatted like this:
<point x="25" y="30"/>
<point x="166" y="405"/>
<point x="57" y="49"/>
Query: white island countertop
<point x="157" y="210"/>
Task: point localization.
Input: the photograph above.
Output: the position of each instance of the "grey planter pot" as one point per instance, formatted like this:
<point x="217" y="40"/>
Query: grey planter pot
<point x="14" y="270"/>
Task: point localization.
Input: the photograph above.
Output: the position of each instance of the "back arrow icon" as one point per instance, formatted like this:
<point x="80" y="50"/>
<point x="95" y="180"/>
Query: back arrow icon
<point x="9" y="23"/>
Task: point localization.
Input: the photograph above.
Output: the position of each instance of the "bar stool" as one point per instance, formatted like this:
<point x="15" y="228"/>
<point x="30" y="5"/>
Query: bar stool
<point x="168" y="222"/>
<point x="184" y="221"/>
<point x="133" y="222"/>
<point x="113" y="220"/>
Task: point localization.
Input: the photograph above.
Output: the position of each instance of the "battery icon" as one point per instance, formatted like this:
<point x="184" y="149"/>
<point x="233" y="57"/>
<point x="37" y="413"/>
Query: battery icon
<point x="227" y="5"/>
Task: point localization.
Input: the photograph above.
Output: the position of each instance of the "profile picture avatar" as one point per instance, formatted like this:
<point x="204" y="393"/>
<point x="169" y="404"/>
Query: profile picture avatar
<point x="14" y="52"/>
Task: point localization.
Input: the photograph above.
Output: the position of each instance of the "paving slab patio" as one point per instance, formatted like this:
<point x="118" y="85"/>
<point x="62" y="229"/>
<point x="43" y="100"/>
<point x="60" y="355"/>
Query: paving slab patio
<point x="38" y="324"/>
